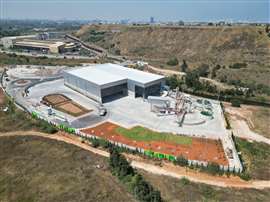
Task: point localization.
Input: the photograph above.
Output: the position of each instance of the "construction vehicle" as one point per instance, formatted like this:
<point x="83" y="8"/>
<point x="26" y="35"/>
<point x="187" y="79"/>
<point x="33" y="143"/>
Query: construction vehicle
<point x="102" y="111"/>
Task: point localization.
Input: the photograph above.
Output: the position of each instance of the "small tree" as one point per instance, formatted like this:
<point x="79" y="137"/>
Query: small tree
<point x="236" y="103"/>
<point x="213" y="168"/>
<point x="181" y="160"/>
<point x="172" y="81"/>
<point x="192" y="80"/>
<point x="184" y="66"/>
<point x="95" y="142"/>
<point x="173" y="61"/>
<point x="267" y="29"/>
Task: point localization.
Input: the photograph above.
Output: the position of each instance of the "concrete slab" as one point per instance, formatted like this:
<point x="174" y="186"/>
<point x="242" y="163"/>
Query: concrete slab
<point x="37" y="92"/>
<point x="130" y="112"/>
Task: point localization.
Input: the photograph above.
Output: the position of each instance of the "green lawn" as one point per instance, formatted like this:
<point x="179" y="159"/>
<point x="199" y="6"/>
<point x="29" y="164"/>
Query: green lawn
<point x="139" y="133"/>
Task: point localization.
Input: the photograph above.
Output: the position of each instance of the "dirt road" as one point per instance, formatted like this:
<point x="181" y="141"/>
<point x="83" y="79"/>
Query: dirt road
<point x="167" y="169"/>
<point x="242" y="124"/>
<point x="168" y="72"/>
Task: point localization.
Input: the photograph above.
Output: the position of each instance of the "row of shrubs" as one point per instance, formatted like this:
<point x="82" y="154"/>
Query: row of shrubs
<point x="211" y="168"/>
<point x="228" y="125"/>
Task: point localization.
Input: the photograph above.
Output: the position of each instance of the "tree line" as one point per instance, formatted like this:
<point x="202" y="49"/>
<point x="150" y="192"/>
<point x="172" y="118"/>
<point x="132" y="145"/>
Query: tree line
<point x="141" y="189"/>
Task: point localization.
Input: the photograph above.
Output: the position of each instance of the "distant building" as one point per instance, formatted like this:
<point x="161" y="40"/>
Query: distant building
<point x="45" y="42"/>
<point x="8" y="42"/>
<point x="152" y="20"/>
<point x="181" y="23"/>
<point x="50" y="35"/>
<point x="40" y="45"/>
<point x="45" y="46"/>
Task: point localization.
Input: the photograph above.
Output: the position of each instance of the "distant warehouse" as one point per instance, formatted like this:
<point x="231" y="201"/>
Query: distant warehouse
<point x="104" y="82"/>
<point x="45" y="45"/>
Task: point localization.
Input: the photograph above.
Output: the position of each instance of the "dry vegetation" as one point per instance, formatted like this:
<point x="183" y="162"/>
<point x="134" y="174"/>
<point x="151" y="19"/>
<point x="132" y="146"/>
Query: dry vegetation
<point x="13" y="59"/>
<point x="261" y="119"/>
<point x="257" y="118"/>
<point x="213" y="46"/>
<point x="15" y="119"/>
<point x="39" y="169"/>
<point x="255" y="157"/>
<point x="221" y="45"/>
<point x="174" y="190"/>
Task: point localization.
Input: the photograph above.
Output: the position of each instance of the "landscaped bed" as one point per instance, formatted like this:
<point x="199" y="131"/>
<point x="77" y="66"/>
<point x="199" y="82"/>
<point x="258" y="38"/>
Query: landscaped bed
<point x="62" y="103"/>
<point x="161" y="143"/>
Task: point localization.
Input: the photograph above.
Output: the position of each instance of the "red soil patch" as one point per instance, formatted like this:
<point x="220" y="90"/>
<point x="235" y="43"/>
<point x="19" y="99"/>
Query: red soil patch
<point x="200" y="149"/>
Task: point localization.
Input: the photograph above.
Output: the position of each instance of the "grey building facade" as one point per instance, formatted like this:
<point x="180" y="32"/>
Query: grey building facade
<point x="106" y="82"/>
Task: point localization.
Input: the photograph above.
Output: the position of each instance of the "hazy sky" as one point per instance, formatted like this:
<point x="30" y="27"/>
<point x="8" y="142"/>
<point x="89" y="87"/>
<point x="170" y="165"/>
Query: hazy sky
<point x="165" y="10"/>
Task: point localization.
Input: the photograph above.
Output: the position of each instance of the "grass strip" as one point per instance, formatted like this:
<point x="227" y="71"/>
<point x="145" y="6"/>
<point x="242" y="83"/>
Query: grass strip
<point x="139" y="133"/>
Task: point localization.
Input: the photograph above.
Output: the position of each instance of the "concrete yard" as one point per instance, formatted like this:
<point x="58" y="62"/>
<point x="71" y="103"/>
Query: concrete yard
<point x="126" y="111"/>
<point x="130" y="112"/>
<point x="37" y="92"/>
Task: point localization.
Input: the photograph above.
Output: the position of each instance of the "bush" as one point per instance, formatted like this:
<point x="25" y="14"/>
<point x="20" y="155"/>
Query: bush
<point x="212" y="168"/>
<point x="238" y="65"/>
<point x="228" y="125"/>
<point x="95" y="142"/>
<point x="172" y="81"/>
<point x="245" y="176"/>
<point x="184" y="66"/>
<point x="192" y="80"/>
<point x="173" y="62"/>
<point x="184" y="181"/>
<point x="203" y="70"/>
<point x="181" y="160"/>
<point x="236" y="103"/>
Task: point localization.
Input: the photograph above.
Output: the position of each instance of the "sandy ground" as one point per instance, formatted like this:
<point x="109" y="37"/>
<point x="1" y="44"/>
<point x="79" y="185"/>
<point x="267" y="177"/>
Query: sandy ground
<point x="167" y="169"/>
<point x="242" y="125"/>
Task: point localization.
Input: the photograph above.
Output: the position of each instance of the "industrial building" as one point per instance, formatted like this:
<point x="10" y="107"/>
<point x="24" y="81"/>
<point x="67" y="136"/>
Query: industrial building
<point x="104" y="82"/>
<point x="45" y="46"/>
<point x="8" y="42"/>
<point x="39" y="43"/>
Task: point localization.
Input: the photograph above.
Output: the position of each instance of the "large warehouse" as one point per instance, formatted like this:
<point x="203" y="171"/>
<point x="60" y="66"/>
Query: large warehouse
<point x="104" y="82"/>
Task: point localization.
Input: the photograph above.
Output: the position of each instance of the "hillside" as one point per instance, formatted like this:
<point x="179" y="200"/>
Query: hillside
<point x="213" y="46"/>
<point x="38" y="169"/>
<point x="174" y="190"/>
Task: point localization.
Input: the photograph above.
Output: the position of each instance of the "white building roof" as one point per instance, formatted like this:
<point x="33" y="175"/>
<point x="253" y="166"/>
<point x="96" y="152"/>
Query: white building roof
<point x="95" y="75"/>
<point x="19" y="37"/>
<point x="128" y="73"/>
<point x="106" y="73"/>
